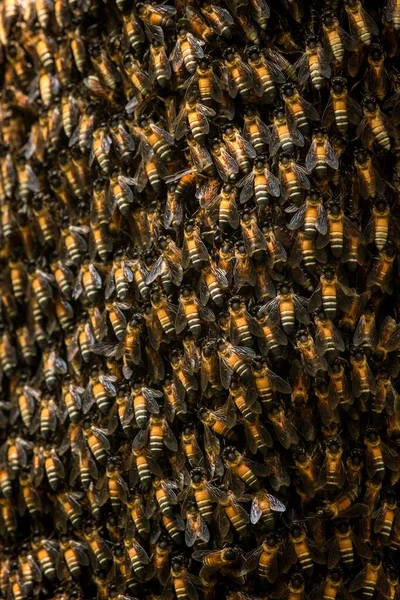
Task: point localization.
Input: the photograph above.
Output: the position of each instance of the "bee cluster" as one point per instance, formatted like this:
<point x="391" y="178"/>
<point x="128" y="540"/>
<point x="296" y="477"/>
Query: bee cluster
<point x="199" y="296"/>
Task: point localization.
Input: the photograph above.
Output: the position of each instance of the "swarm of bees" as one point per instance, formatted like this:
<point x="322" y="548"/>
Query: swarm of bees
<point x="199" y="299"/>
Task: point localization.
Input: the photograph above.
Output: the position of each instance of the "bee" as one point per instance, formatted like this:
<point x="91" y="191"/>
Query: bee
<point x="362" y="26"/>
<point x="29" y="569"/>
<point x="284" y="430"/>
<point x="98" y="548"/>
<point x="97" y="441"/>
<point x="72" y="556"/>
<point x="371" y="578"/>
<point x="337" y="40"/>
<point x="392" y="13"/>
<point x="255" y="131"/>
<point x="381" y="273"/>
<point x="374" y="127"/>
<point x="341" y="108"/>
<point x="205" y="82"/>
<point x="312" y="361"/>
<point x="377" y="78"/>
<point x="265" y="559"/>
<point x="193" y="116"/>
<point x="365" y="333"/>
<point x="217" y="560"/>
<point x="156" y="435"/>
<point x="160" y="558"/>
<point x="321" y="155"/>
<point x="284" y="135"/>
<point x="260" y="183"/>
<point x="263" y="507"/>
<point x="242" y="472"/>
<point x="180" y="580"/>
<point x="267" y="382"/>
<point x="295" y="589"/>
<point x="190" y="313"/>
<point x="187" y="51"/>
<point x="238" y="75"/>
<point x="168" y="265"/>
<point x="302" y="549"/>
<point x="196" y="527"/>
<point x="345" y="545"/>
<point x="165" y="314"/>
<point x="382" y="225"/>
<point x="378" y="455"/>
<point x="311" y="214"/>
<point x="265" y="74"/>
<point x="285" y="308"/>
<point x="330" y="294"/>
<point x="333" y="472"/>
<point x="293" y="179"/>
<point x="313" y="64"/>
<point x="240" y="149"/>
<point x="328" y="340"/>
<point x="46" y="553"/>
<point x="385" y="517"/>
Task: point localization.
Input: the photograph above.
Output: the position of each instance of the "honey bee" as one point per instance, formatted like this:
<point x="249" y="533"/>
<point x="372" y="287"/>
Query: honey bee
<point x="242" y="472"/>
<point x="378" y="455"/>
<point x="362" y="26"/>
<point x="337" y="40"/>
<point x="302" y="549"/>
<point x="260" y="183"/>
<point x="313" y="64"/>
<point x="371" y="578"/>
<point x="285" y="308"/>
<point x="321" y="155"/>
<point x="217" y="560"/>
<point x="381" y="273"/>
<point x="193" y="117"/>
<point x="330" y="294"/>
<point x="238" y="75"/>
<point x="375" y="127"/>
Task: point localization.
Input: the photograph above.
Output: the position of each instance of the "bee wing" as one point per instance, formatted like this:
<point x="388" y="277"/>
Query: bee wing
<point x="301" y="175"/>
<point x="255" y="511"/>
<point x="277" y="383"/>
<point x="253" y="240"/>
<point x="321" y="224"/>
<point x="324" y="65"/>
<point x="300" y="312"/>
<point x="226" y="164"/>
<point x="176" y="56"/>
<point x="354" y="111"/>
<point x="301" y="65"/>
<point x="382" y="584"/>
<point x="274" y="141"/>
<point x="273" y="185"/>
<point x="315" y="301"/>
<point x="246" y="184"/>
<point x="311" y="158"/>
<point x="331" y="156"/>
<point x="223" y="526"/>
<point x="328" y="114"/>
<point x="169" y="438"/>
<point x="181" y="125"/>
<point x="297" y="220"/>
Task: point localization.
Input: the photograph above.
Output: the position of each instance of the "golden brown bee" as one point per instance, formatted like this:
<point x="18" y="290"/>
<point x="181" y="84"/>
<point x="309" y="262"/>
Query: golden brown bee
<point x="302" y="549"/>
<point x="214" y="561"/>
<point x="313" y="64"/>
<point x="238" y="75"/>
<point x="381" y="273"/>
<point x="337" y="40"/>
<point x="362" y="26"/>
<point x="378" y="455"/>
<point x="321" y="155"/>
<point x="372" y="578"/>
<point x="286" y="308"/>
<point x="375" y="127"/>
